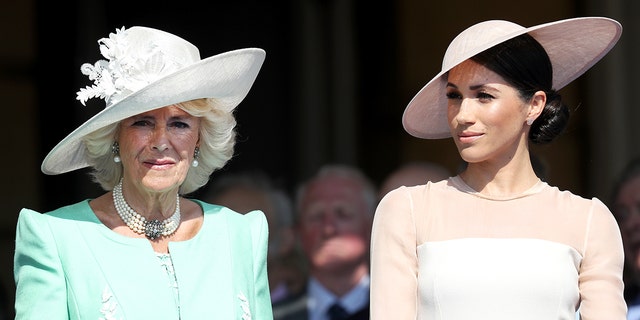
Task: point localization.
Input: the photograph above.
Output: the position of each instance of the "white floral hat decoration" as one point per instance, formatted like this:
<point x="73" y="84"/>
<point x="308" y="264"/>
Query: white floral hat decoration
<point x="573" y="45"/>
<point x="147" y="69"/>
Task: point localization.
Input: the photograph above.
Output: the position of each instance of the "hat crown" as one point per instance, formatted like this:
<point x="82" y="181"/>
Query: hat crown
<point x="474" y="39"/>
<point x="175" y="50"/>
<point x="136" y="57"/>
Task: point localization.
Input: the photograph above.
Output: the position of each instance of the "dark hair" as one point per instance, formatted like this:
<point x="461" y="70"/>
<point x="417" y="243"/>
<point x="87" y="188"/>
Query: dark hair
<point x="524" y="64"/>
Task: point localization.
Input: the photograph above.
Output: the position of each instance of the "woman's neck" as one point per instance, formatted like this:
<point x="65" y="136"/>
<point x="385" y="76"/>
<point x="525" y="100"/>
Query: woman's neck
<point x="514" y="177"/>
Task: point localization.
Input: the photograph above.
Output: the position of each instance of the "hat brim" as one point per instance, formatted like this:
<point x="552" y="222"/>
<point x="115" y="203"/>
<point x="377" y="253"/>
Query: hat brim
<point x="227" y="77"/>
<point x="573" y="45"/>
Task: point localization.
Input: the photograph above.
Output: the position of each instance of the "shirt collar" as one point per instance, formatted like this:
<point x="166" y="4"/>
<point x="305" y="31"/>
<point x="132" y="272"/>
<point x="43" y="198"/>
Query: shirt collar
<point x="321" y="299"/>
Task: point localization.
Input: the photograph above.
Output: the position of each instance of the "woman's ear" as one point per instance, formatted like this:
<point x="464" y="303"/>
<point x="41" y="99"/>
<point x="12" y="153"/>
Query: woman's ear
<point x="536" y="105"/>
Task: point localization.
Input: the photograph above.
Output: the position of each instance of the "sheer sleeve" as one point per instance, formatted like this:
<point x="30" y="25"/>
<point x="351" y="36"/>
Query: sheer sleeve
<point x="600" y="277"/>
<point x="394" y="262"/>
<point x="40" y="281"/>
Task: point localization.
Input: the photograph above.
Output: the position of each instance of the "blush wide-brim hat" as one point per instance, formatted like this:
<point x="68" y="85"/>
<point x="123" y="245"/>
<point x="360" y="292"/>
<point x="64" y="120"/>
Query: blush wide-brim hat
<point x="573" y="45"/>
<point x="149" y="69"/>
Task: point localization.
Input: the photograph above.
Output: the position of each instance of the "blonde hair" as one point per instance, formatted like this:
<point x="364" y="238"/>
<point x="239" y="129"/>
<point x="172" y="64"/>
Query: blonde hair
<point x="217" y="141"/>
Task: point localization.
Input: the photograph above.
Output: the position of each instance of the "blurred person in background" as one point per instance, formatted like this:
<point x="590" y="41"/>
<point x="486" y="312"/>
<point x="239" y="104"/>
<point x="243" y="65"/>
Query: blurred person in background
<point x="625" y="204"/>
<point x="334" y="212"/>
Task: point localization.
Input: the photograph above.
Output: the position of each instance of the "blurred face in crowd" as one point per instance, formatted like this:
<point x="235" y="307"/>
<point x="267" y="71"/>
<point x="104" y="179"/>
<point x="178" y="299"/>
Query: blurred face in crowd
<point x="335" y="224"/>
<point x="626" y="208"/>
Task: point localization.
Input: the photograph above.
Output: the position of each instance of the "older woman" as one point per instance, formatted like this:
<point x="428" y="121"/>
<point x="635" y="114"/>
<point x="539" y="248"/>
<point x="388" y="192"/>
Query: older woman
<point x="141" y="250"/>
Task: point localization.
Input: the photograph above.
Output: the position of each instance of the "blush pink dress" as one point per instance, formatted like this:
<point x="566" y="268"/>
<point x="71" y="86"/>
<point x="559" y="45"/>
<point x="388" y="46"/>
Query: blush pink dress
<point x="442" y="251"/>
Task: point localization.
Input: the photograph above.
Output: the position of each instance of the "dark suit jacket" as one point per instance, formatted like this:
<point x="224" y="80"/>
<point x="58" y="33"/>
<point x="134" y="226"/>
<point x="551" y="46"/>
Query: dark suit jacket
<point x="295" y="308"/>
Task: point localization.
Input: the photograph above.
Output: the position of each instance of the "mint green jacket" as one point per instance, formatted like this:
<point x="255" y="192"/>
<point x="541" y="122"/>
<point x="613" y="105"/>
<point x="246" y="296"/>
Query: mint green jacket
<point x="68" y="265"/>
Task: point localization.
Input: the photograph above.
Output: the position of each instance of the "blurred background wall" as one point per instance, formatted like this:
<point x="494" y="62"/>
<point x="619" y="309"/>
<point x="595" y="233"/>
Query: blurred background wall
<point x="335" y="82"/>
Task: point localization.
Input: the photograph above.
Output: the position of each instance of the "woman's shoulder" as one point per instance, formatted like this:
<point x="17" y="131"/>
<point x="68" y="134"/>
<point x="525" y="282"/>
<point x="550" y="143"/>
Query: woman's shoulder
<point x="74" y="210"/>
<point x="572" y="198"/>
<point x="246" y="226"/>
<point x="64" y="221"/>
<point x="217" y="211"/>
<point x="412" y="197"/>
<point x="429" y="187"/>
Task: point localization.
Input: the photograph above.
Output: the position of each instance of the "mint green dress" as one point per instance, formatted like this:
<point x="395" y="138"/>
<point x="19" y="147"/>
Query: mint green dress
<point x="68" y="265"/>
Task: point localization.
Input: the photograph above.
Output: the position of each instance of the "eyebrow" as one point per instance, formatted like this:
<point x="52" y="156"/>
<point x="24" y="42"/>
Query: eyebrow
<point x="148" y="117"/>
<point x="473" y="87"/>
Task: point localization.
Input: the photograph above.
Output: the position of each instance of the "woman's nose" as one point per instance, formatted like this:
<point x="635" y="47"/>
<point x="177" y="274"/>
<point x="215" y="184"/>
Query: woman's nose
<point x="464" y="114"/>
<point x="160" y="141"/>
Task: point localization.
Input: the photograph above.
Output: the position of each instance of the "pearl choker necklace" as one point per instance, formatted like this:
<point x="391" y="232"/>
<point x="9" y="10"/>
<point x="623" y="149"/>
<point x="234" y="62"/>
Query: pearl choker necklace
<point x="151" y="229"/>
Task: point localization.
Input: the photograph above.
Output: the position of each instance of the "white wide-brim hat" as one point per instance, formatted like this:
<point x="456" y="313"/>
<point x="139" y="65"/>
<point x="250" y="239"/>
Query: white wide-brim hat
<point x="149" y="69"/>
<point x="573" y="45"/>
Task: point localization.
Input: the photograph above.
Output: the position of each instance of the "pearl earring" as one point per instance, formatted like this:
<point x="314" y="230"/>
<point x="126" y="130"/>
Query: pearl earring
<point x="115" y="149"/>
<point x="529" y="121"/>
<point x="195" y="162"/>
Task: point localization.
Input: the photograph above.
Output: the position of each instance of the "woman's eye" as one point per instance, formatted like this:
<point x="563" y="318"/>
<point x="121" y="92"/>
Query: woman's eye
<point x="180" y="125"/>
<point x="141" y="123"/>
<point x="484" y="96"/>
<point x="453" y="95"/>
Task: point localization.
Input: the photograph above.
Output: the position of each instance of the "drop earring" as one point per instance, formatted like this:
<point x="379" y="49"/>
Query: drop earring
<point x="195" y="162"/>
<point x="115" y="149"/>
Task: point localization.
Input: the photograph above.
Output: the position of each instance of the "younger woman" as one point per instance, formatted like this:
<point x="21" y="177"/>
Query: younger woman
<point x="495" y="242"/>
